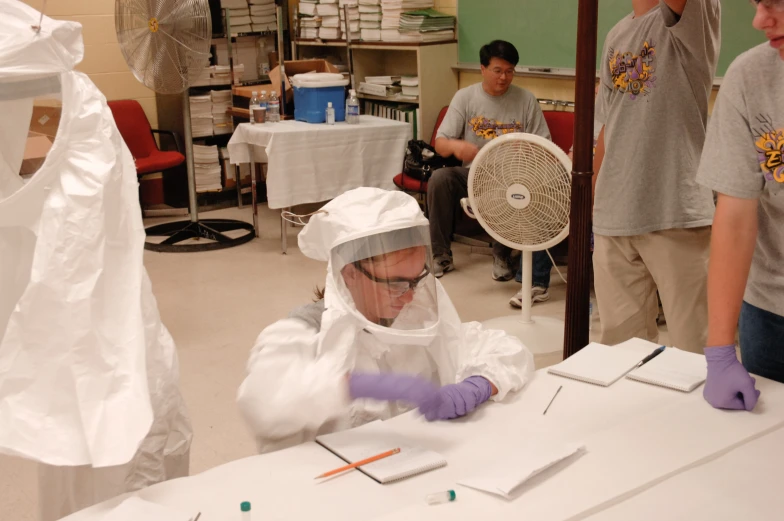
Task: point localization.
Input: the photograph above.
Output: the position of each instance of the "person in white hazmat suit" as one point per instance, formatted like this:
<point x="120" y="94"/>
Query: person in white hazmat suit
<point x="385" y="338"/>
<point x="88" y="373"/>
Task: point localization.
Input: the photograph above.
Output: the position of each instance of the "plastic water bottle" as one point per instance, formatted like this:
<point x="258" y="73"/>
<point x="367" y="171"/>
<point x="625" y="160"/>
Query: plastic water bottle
<point x="330" y="114"/>
<point x="245" y="511"/>
<point x="273" y="108"/>
<point x="352" y="108"/>
<point x="254" y="104"/>
<point x="264" y="100"/>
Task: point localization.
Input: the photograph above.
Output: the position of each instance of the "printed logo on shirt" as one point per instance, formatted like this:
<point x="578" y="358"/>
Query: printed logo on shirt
<point x="489" y="129"/>
<point x="769" y="142"/>
<point x="633" y="73"/>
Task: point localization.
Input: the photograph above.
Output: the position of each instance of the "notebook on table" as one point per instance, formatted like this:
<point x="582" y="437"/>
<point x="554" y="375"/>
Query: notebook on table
<point x="674" y="369"/>
<point x="374" y="438"/>
<point x="598" y="364"/>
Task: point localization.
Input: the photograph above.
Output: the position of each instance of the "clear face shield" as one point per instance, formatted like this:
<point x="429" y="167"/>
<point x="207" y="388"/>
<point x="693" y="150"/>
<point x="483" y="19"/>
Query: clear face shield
<point x="387" y="279"/>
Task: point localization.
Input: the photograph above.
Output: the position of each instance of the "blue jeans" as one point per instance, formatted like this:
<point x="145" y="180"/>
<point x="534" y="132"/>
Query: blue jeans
<point x="762" y="342"/>
<point x="541" y="269"/>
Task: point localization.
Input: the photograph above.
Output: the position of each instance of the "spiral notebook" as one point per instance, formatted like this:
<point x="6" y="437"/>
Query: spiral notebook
<point x="674" y="369"/>
<point x="374" y="438"/>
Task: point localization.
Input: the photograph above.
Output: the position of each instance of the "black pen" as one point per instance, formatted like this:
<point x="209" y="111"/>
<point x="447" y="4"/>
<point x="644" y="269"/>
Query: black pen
<point x="656" y="352"/>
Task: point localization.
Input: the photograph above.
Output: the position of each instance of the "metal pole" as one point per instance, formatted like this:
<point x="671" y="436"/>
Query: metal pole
<point x="281" y="61"/>
<point x="578" y="289"/>
<point x="186" y="119"/>
<point x="349" y="56"/>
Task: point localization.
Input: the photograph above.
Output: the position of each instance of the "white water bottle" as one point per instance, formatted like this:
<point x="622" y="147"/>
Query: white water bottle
<point x="273" y="108"/>
<point x="330" y="114"/>
<point x="352" y="108"/>
<point x="264" y="100"/>
<point x="254" y="104"/>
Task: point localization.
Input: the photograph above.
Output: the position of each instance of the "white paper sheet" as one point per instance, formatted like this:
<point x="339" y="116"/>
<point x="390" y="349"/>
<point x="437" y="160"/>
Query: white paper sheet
<point x="135" y="509"/>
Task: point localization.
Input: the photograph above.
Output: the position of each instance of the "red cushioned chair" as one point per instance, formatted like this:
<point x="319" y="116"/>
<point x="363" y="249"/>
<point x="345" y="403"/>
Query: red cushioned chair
<point x="138" y="135"/>
<point x="561" y="125"/>
<point x="413" y="186"/>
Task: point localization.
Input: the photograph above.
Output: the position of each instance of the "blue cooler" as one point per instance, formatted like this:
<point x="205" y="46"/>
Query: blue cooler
<point x="312" y="93"/>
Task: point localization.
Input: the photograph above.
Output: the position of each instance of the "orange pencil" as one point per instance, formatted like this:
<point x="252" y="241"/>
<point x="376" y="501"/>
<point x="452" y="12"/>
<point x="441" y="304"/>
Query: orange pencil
<point x="359" y="463"/>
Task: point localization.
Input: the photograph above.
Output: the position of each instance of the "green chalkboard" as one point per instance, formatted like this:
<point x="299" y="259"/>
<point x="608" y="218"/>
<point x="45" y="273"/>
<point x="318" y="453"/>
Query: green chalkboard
<point x="545" y="31"/>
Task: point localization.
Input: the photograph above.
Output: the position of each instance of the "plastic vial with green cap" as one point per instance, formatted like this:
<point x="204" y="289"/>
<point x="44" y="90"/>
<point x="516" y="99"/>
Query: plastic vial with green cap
<point x="245" y="508"/>
<point x="441" y="497"/>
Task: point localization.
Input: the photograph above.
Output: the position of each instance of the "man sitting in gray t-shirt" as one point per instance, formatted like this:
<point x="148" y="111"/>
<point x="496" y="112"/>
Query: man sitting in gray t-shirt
<point x="476" y="115"/>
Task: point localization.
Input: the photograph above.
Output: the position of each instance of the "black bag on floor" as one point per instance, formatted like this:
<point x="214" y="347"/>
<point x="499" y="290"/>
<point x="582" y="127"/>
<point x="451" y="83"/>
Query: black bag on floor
<point x="421" y="160"/>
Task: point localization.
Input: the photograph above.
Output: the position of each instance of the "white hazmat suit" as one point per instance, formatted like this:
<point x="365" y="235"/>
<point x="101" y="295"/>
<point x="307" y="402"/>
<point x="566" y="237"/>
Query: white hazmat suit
<point x="88" y="373"/>
<point x="296" y="387"/>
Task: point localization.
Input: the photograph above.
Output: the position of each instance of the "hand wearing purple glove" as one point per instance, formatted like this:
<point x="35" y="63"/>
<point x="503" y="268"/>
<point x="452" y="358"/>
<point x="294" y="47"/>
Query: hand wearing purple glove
<point x="729" y="385"/>
<point x="450" y="401"/>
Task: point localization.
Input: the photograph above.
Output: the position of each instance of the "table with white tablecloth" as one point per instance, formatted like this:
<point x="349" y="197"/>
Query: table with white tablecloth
<point x="651" y="453"/>
<point x="312" y="163"/>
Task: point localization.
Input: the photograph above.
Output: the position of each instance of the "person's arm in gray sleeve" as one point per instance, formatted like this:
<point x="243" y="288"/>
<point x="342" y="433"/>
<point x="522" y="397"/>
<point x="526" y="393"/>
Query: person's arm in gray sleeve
<point x="535" y="122"/>
<point x="449" y="139"/>
<point x="696" y="24"/>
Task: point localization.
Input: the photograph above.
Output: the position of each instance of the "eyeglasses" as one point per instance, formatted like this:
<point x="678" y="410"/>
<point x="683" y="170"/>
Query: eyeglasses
<point x="397" y="286"/>
<point x="774" y="5"/>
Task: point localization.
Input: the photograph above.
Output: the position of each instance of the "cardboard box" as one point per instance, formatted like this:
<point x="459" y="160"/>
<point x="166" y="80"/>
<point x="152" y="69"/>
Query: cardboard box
<point x="292" y="67"/>
<point x="36" y="148"/>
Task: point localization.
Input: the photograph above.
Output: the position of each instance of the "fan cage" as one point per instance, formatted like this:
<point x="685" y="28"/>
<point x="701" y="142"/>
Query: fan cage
<point x="166" y="43"/>
<point x="535" y="163"/>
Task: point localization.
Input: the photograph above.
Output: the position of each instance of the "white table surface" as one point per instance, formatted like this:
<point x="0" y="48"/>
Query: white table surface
<point x="309" y="163"/>
<point x="652" y="453"/>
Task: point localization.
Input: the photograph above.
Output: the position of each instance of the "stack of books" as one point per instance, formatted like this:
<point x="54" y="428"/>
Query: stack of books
<point x="392" y="10"/>
<point x="370" y="19"/>
<point x="397" y="111"/>
<point x="201" y="115"/>
<point x="309" y="22"/>
<point x="207" y="168"/>
<point x="409" y="87"/>
<point x="383" y="86"/>
<point x="427" y="25"/>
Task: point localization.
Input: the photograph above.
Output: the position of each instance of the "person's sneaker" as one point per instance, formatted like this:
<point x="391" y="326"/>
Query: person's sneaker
<point x="502" y="271"/>
<point x="442" y="264"/>
<point x="538" y="294"/>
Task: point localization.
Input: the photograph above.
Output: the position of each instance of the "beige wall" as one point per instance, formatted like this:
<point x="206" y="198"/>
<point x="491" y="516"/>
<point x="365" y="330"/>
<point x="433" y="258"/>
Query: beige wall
<point x="103" y="61"/>
<point x="447" y="6"/>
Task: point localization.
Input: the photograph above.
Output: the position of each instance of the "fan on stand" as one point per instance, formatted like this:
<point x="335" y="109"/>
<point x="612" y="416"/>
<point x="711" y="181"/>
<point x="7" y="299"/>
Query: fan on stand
<point x="519" y="190"/>
<point x="166" y="44"/>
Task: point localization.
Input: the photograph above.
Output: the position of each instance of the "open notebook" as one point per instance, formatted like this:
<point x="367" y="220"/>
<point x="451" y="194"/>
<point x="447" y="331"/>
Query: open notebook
<point x="599" y="364"/>
<point x="674" y="369"/>
<point x="374" y="438"/>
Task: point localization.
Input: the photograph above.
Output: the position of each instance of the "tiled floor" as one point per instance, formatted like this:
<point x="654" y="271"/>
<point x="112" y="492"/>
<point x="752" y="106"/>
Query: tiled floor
<point x="216" y="303"/>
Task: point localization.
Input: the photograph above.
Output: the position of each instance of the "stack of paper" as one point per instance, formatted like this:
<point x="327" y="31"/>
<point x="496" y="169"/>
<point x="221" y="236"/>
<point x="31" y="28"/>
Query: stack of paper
<point x="392" y="10"/>
<point x="240" y="16"/>
<point x="426" y="20"/>
<point x="410" y="87"/>
<point x="201" y="115"/>
<point x="308" y="7"/>
<point x="372" y="35"/>
<point x="330" y="33"/>
<point x="263" y="15"/>
<point x="205" y="78"/>
<point x="234" y="4"/>
<point x="221" y="119"/>
<point x="207" y="167"/>
<point x="323" y="9"/>
<point x="332" y="22"/>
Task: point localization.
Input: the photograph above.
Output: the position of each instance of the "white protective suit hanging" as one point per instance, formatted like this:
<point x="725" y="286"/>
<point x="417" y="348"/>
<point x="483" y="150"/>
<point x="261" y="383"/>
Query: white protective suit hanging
<point x="296" y="386"/>
<point x="88" y="373"/>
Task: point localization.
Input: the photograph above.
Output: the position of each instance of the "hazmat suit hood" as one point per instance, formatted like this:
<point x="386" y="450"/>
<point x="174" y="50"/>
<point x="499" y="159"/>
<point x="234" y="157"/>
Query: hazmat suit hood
<point x="356" y="233"/>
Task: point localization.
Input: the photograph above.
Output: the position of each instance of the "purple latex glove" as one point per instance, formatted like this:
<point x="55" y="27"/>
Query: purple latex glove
<point x="435" y="403"/>
<point x="729" y="385"/>
<point x="457" y="400"/>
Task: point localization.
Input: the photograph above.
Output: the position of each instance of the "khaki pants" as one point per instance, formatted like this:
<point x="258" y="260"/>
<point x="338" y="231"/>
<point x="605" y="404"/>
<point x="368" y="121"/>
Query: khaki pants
<point x="629" y="270"/>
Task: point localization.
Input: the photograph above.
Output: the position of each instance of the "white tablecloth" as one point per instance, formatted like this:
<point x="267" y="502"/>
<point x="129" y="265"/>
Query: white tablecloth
<point x="652" y="453"/>
<point x="310" y="163"/>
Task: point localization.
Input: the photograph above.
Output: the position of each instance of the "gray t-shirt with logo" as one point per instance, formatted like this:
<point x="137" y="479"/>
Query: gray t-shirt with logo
<point x="656" y="78"/>
<point x="477" y="117"/>
<point x="744" y="158"/>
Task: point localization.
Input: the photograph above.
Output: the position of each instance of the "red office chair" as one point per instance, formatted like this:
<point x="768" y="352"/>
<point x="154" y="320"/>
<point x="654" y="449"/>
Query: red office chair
<point x="561" y="125"/>
<point x="137" y="134"/>
<point x="413" y="186"/>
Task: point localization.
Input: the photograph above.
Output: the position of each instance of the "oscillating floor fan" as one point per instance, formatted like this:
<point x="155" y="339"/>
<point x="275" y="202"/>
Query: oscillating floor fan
<point x="519" y="190"/>
<point x="166" y="44"/>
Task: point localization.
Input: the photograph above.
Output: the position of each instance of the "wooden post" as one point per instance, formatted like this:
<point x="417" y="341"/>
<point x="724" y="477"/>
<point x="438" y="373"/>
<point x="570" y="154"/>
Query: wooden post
<point x="579" y="285"/>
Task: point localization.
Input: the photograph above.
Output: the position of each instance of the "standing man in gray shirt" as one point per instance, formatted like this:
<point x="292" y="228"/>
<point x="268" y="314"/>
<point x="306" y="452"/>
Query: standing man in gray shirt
<point x="476" y="115"/>
<point x="651" y="220"/>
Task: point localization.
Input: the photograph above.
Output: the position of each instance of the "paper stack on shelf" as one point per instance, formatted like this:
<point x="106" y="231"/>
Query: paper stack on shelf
<point x="207" y="168"/>
<point x="205" y="78"/>
<point x="353" y="19"/>
<point x="410" y="87"/>
<point x="239" y="17"/>
<point x="323" y="10"/>
<point x="392" y="11"/>
<point x="332" y="22"/>
<point x="330" y="33"/>
<point x="307" y="8"/>
<point x="427" y="25"/>
<point x="201" y="115"/>
<point x="263" y="15"/>
<point x="221" y="101"/>
<point x="371" y="35"/>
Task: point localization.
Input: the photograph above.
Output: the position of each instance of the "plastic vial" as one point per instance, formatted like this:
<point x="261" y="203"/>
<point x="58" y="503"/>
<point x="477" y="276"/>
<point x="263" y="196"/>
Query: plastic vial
<point x="273" y="108"/>
<point x="254" y="104"/>
<point x="245" y="509"/>
<point x="441" y="497"/>
<point x="352" y="108"/>
<point x="330" y="114"/>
